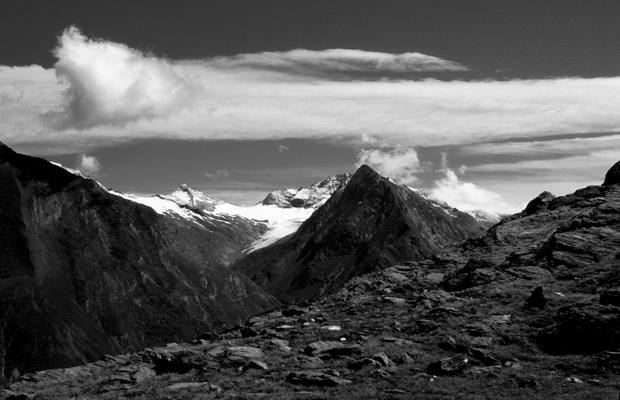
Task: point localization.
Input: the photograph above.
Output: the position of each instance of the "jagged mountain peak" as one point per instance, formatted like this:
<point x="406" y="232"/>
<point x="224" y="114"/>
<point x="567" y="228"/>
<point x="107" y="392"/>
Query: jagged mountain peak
<point x="189" y="197"/>
<point x="366" y="172"/>
<point x="307" y="196"/>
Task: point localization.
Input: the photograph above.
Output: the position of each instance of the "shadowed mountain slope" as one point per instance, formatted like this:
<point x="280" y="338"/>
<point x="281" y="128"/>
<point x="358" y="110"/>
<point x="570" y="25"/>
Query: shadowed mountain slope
<point x="84" y="272"/>
<point x="370" y="224"/>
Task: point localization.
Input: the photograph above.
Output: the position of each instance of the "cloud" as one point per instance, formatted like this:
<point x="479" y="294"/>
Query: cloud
<point x="398" y="164"/>
<point x="467" y="196"/>
<point x="403" y="166"/>
<point x="338" y="63"/>
<point x="110" y="83"/>
<point x="88" y="165"/>
<point x="282" y="148"/>
<point x="218" y="174"/>
<point x="109" y="92"/>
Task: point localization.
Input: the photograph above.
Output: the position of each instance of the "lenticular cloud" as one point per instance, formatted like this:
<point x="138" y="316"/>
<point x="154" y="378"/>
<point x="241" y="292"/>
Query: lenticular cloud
<point x="112" y="84"/>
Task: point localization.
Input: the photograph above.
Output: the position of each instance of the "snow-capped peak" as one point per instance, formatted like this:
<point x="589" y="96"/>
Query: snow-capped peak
<point x="198" y="207"/>
<point x="191" y="198"/>
<point x="312" y="196"/>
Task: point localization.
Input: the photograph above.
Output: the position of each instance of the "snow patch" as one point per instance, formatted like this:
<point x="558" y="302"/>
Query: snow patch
<point x="280" y="221"/>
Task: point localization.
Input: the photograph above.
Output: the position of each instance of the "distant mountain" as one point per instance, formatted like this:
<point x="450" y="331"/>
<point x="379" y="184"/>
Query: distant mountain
<point x="235" y="231"/>
<point x="84" y="272"/>
<point x="369" y="224"/>
<point x="278" y="215"/>
<point x="485" y="218"/>
<point x="312" y="196"/>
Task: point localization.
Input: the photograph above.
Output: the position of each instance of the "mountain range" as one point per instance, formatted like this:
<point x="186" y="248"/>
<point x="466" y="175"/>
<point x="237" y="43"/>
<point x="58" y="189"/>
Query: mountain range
<point x="353" y="279"/>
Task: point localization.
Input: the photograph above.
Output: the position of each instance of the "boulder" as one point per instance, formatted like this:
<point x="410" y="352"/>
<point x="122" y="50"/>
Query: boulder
<point x="328" y="349"/>
<point x="364" y="363"/>
<point x="537" y="299"/>
<point x="187" y="386"/>
<point x="449" y="366"/>
<point x="176" y="360"/>
<point x="610" y="297"/>
<point x="405" y="358"/>
<point x="382" y="359"/>
<point x="315" y="378"/>
<point x="255" y="364"/>
<point x="281" y="344"/>
<point x="294" y="311"/>
<point x="583" y="328"/>
<point x="539" y="203"/>
<point x="475" y="273"/>
<point x="247" y="332"/>
<point x="310" y="362"/>
<point x="244" y="352"/>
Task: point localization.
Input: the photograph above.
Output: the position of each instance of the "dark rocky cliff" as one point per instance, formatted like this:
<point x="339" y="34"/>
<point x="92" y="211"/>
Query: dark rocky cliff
<point x="84" y="272"/>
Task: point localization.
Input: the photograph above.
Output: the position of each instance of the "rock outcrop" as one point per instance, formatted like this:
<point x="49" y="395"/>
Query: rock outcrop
<point x="539" y="203"/>
<point x="612" y="177"/>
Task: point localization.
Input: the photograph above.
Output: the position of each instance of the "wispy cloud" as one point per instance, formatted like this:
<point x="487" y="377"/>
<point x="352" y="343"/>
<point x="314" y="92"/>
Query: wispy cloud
<point x="218" y="174"/>
<point x="338" y="63"/>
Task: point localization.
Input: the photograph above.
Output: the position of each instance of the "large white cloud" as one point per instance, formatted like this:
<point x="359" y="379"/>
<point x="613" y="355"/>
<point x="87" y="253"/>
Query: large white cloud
<point x="109" y="83"/>
<point x="110" y="92"/>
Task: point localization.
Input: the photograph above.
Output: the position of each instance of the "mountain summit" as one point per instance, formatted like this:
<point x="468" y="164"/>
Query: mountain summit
<point x="311" y="196"/>
<point x="369" y="224"/>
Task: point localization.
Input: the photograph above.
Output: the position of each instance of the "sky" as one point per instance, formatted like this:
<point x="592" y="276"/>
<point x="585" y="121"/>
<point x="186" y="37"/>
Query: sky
<point x="481" y="103"/>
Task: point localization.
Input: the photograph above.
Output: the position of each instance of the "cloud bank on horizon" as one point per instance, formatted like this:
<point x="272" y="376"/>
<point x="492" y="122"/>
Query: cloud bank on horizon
<point x="103" y="92"/>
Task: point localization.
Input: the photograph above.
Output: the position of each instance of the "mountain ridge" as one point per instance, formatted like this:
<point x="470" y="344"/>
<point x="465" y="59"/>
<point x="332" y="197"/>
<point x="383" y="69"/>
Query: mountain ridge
<point x="84" y="273"/>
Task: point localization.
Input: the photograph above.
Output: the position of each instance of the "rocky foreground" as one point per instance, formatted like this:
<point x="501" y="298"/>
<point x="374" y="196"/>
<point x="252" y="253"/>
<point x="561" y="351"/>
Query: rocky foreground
<point x="388" y="335"/>
<point x="530" y="310"/>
